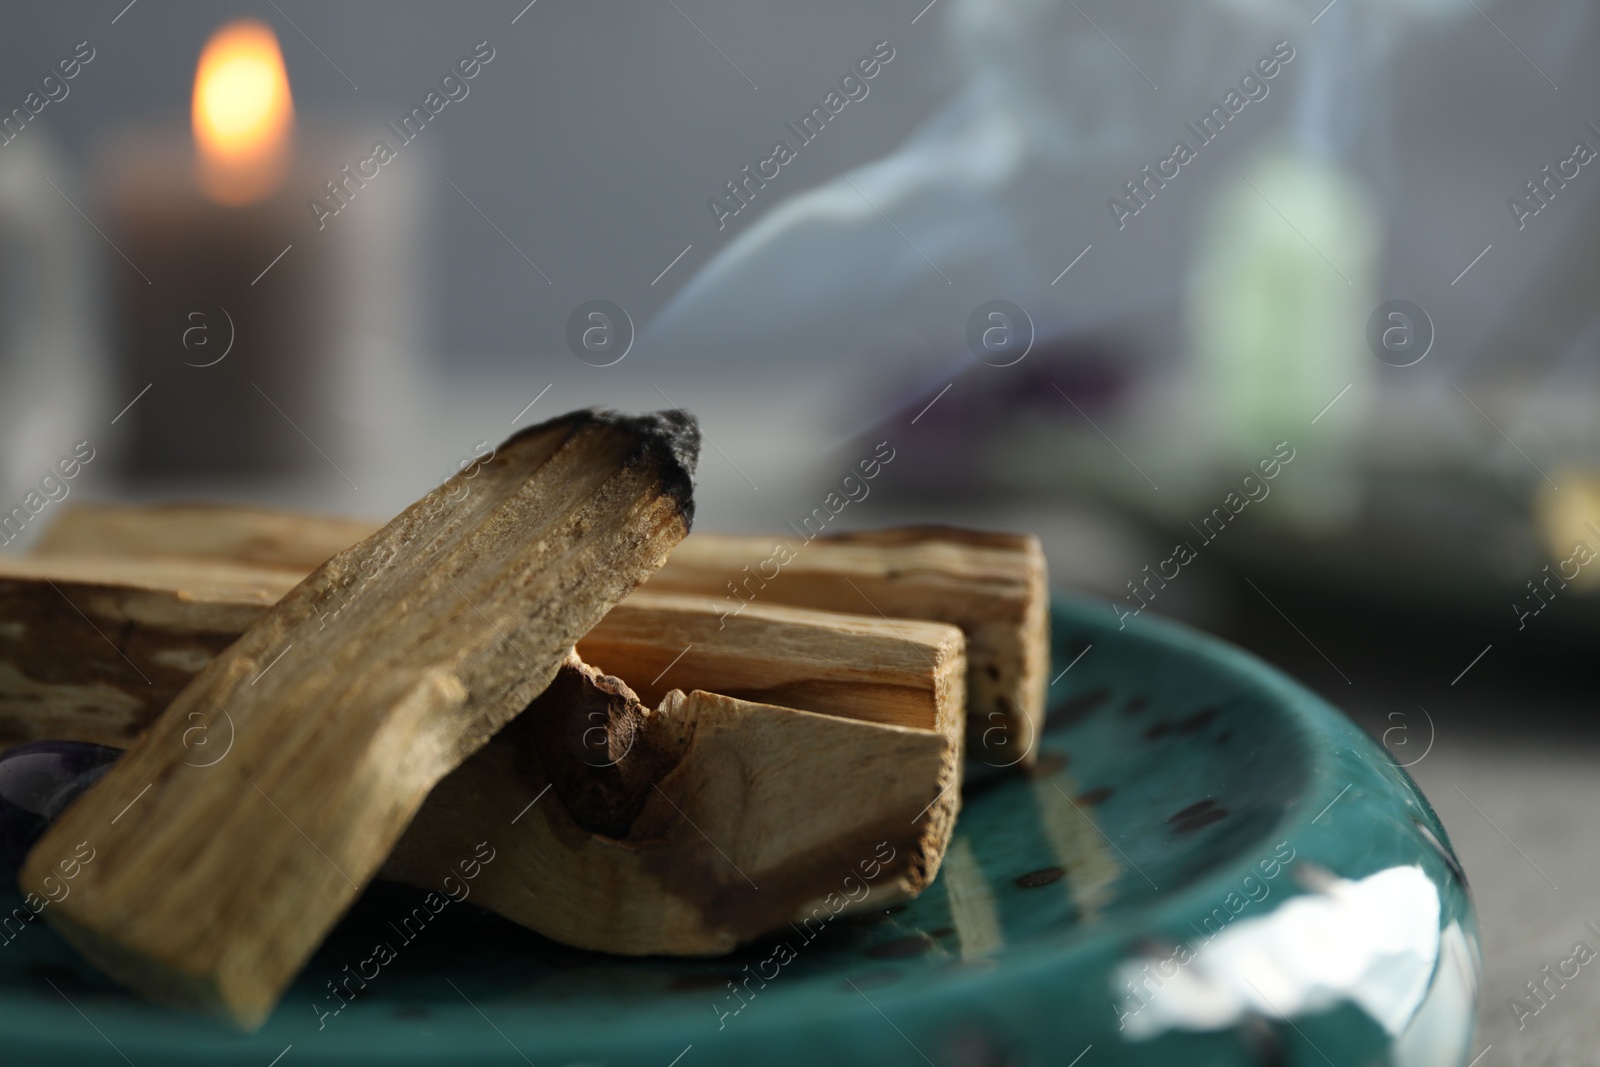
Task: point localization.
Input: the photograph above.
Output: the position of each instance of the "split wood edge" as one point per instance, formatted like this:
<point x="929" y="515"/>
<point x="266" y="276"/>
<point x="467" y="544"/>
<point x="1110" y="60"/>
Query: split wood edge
<point x="705" y="823"/>
<point x="994" y="586"/>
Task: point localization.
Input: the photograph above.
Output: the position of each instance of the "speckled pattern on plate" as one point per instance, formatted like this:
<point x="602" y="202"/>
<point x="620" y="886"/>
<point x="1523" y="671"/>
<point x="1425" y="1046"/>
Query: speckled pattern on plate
<point x="1203" y="849"/>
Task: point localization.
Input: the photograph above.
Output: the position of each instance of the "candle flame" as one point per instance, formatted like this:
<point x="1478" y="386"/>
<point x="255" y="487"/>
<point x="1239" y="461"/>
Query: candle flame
<point x="243" y="114"/>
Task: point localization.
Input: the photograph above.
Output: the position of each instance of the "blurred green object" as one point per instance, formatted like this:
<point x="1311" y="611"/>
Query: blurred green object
<point x="1275" y="336"/>
<point x="1203" y="847"/>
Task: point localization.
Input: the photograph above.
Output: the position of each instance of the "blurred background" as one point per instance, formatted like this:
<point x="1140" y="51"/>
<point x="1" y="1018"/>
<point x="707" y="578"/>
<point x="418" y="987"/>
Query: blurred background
<point x="1274" y="316"/>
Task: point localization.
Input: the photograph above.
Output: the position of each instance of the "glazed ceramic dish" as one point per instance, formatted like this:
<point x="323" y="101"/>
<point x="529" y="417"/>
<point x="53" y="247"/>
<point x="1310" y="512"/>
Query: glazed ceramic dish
<point x="1207" y="866"/>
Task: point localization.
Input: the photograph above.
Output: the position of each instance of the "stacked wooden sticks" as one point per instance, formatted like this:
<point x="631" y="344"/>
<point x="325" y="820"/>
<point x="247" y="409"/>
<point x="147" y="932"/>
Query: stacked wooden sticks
<point x="688" y="779"/>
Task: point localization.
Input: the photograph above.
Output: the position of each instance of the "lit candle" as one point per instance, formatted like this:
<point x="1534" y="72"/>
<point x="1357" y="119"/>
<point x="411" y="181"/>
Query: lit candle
<point x="240" y="318"/>
<point x="243" y="116"/>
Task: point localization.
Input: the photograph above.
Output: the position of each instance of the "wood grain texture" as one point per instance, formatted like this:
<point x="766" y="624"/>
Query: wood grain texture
<point x="234" y="533"/>
<point x="94" y="648"/>
<point x="720" y="820"/>
<point x="860" y="666"/>
<point x="992" y="585"/>
<point x="214" y="884"/>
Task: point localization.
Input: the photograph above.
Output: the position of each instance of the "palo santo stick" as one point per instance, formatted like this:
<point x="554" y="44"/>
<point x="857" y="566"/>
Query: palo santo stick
<point x="232" y="533"/>
<point x="92" y="649"/>
<point x="712" y="820"/>
<point x="989" y="584"/>
<point x="214" y="884"/>
<point x="852" y="665"/>
<point x="172" y="617"/>
<point x="992" y="585"/>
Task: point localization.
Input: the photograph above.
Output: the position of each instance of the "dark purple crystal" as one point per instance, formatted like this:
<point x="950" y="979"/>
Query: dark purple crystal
<point x="37" y="782"/>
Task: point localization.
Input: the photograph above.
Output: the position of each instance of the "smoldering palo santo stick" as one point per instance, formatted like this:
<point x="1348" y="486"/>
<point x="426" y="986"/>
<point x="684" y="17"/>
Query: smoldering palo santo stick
<point x="214" y="884"/>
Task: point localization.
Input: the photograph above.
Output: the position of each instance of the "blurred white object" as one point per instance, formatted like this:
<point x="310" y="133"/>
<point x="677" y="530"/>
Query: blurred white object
<point x="52" y="365"/>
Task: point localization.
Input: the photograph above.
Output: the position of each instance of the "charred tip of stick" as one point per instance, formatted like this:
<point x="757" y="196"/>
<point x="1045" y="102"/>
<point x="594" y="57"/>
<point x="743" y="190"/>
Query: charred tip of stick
<point x="670" y="438"/>
<point x="674" y="436"/>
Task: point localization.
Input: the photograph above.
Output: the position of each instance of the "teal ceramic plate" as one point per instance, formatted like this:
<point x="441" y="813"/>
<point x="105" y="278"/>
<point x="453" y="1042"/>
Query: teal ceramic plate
<point x="1208" y="866"/>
